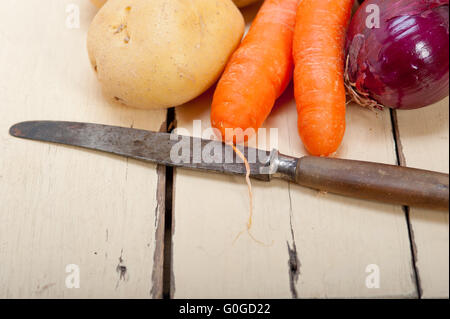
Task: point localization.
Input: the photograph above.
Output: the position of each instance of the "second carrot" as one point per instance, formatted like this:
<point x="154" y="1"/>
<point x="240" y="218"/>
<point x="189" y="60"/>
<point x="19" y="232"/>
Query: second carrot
<point x="319" y="73"/>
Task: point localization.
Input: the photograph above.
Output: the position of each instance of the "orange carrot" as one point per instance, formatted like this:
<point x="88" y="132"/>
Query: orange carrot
<point x="258" y="72"/>
<point x="319" y="73"/>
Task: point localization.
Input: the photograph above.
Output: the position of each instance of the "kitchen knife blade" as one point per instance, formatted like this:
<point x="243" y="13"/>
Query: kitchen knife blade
<point x="143" y="145"/>
<point x="367" y="180"/>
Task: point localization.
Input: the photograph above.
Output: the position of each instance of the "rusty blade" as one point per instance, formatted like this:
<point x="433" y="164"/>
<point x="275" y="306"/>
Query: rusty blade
<point x="143" y="145"/>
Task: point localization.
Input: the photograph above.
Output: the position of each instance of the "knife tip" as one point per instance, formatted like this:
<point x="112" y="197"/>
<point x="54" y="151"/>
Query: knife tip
<point x="15" y="130"/>
<point x="20" y="129"/>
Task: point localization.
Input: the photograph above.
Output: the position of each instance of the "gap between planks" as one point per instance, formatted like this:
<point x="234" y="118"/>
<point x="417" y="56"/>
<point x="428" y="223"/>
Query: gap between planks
<point x="401" y="161"/>
<point x="168" y="285"/>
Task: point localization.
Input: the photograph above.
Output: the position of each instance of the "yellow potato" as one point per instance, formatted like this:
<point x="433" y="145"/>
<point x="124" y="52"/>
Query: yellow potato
<point x="239" y="3"/>
<point x="159" y="53"/>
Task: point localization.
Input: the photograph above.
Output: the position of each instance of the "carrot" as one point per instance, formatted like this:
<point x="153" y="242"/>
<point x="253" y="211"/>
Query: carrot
<point x="319" y="73"/>
<point x="250" y="194"/>
<point x="249" y="184"/>
<point x="258" y="72"/>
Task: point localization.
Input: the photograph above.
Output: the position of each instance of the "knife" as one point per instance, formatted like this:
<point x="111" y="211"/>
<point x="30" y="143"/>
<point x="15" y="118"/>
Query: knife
<point x="367" y="180"/>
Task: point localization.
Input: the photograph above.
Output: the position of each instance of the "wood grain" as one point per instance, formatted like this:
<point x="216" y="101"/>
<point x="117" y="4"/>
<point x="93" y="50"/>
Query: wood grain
<point x="424" y="143"/>
<point x="62" y="205"/>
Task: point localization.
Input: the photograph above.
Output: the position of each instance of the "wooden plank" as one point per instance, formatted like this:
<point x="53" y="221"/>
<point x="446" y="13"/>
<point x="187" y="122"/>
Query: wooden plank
<point x="313" y="245"/>
<point x="424" y="140"/>
<point x="62" y="205"/>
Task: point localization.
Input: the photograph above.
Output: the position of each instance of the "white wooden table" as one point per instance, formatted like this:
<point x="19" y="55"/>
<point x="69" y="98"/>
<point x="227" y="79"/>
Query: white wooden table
<point x="67" y="213"/>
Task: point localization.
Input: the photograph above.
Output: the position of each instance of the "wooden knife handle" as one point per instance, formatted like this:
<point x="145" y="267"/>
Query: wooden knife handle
<point x="380" y="182"/>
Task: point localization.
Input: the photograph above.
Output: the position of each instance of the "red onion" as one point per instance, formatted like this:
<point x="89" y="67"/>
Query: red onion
<point x="403" y="62"/>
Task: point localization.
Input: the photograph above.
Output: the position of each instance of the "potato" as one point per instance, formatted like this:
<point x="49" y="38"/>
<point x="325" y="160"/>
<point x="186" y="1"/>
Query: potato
<point x="159" y="53"/>
<point x="239" y="3"/>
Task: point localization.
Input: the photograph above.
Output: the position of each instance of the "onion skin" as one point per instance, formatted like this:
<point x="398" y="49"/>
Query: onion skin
<point x="404" y="64"/>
